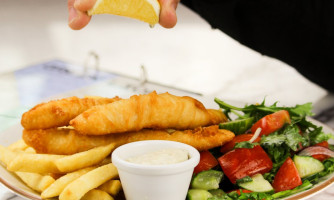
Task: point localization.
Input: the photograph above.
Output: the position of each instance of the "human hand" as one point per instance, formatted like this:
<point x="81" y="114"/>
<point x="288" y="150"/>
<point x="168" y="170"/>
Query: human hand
<point x="78" y="18"/>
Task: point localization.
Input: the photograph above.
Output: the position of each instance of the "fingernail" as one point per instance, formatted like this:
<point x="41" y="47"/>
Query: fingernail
<point x="72" y="15"/>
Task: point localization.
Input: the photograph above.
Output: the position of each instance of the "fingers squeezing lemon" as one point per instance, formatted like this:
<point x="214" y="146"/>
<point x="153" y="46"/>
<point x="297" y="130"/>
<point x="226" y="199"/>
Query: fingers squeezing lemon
<point x="144" y="10"/>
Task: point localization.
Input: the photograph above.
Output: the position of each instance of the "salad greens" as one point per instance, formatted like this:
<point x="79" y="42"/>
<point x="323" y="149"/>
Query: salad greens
<point x="260" y="110"/>
<point x="279" y="144"/>
<point x="305" y="186"/>
<point x="245" y="144"/>
<point x="299" y="133"/>
<point x="261" y="195"/>
<point x="297" y="113"/>
<point x="239" y="126"/>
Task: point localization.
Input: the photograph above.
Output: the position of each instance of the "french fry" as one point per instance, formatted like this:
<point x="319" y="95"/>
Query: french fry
<point x="35" y="163"/>
<point x="97" y="195"/>
<point x="105" y="161"/>
<point x="6" y="156"/>
<point x="58" y="186"/>
<point x="36" y="181"/>
<point x="111" y="187"/>
<point x="88" y="181"/>
<point x="83" y="159"/>
<point x="30" y="150"/>
<point x="19" y="145"/>
<point x="55" y="175"/>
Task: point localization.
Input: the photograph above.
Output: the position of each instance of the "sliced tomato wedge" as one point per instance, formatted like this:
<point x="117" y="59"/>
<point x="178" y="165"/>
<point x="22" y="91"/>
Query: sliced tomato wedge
<point x="287" y="177"/>
<point x="239" y="138"/>
<point x="207" y="161"/>
<point x="272" y="122"/>
<point x="323" y="144"/>
<point x="321" y="157"/>
<point x="242" y="162"/>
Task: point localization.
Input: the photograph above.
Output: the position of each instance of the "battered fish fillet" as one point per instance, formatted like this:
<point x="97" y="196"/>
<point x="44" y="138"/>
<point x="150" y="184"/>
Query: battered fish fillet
<point x="156" y="111"/>
<point x="68" y="141"/>
<point x="59" y="112"/>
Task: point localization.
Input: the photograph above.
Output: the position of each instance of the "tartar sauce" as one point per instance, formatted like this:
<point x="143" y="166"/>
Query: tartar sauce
<point x="161" y="157"/>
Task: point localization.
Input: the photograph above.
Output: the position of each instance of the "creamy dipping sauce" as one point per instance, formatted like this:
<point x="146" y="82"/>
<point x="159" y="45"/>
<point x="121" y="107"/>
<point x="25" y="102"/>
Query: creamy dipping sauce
<point x="161" y="157"/>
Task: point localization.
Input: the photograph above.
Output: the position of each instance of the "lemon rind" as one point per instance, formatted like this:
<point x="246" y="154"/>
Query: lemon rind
<point x="154" y="3"/>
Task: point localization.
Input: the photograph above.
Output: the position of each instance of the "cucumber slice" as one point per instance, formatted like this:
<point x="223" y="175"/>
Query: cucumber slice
<point x="217" y="192"/>
<point x="258" y="184"/>
<point x="198" y="194"/>
<point x="207" y="180"/>
<point x="307" y="165"/>
<point x="237" y="126"/>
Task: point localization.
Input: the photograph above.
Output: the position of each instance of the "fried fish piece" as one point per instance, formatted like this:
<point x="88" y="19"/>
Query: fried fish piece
<point x="68" y="141"/>
<point x="157" y="111"/>
<point x="59" y="112"/>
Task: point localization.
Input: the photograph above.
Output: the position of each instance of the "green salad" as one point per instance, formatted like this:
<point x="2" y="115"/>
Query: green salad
<point x="276" y="152"/>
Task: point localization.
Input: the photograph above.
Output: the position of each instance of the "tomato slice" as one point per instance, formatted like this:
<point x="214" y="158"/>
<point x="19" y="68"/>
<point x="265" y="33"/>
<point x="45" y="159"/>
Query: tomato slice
<point x="272" y="122"/>
<point x="322" y="157"/>
<point x="207" y="161"/>
<point x="323" y="144"/>
<point x="287" y="177"/>
<point x="242" y="162"/>
<point x="239" y="138"/>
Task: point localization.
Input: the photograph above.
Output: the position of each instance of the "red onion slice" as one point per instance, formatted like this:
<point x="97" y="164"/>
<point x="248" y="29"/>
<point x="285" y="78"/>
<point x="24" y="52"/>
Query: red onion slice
<point x="316" y="150"/>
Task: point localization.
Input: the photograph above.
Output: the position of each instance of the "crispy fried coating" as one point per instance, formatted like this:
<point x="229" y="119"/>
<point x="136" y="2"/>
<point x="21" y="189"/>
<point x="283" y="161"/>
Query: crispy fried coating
<point x="68" y="141"/>
<point x="59" y="112"/>
<point x="156" y="111"/>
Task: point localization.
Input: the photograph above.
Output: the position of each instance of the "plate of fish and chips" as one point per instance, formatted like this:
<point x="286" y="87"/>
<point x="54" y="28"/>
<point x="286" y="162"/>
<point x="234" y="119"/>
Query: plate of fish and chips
<point x="61" y="149"/>
<point x="64" y="144"/>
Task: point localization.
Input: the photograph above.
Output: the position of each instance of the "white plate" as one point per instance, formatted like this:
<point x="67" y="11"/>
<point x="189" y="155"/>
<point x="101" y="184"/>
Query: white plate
<point x="14" y="184"/>
<point x="8" y="179"/>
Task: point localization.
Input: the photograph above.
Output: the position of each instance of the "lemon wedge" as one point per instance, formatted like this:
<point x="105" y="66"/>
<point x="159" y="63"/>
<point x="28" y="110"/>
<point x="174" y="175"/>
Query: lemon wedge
<point x="144" y="10"/>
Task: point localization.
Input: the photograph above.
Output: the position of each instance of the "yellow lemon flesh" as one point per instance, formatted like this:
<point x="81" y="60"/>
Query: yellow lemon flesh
<point x="144" y="10"/>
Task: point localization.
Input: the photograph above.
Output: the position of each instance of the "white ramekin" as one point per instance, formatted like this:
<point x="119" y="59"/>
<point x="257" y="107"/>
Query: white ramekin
<point x="154" y="182"/>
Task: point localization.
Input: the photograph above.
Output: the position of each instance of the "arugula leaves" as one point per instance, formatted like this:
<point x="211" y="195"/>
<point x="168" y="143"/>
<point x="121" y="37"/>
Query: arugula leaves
<point x="260" y="110"/>
<point x="315" y="134"/>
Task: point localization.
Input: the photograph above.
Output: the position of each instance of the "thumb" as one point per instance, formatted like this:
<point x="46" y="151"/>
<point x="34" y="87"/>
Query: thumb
<point x="76" y="19"/>
<point x="168" y="18"/>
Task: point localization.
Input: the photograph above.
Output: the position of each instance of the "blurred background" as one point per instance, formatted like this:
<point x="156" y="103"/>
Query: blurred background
<point x="192" y="56"/>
